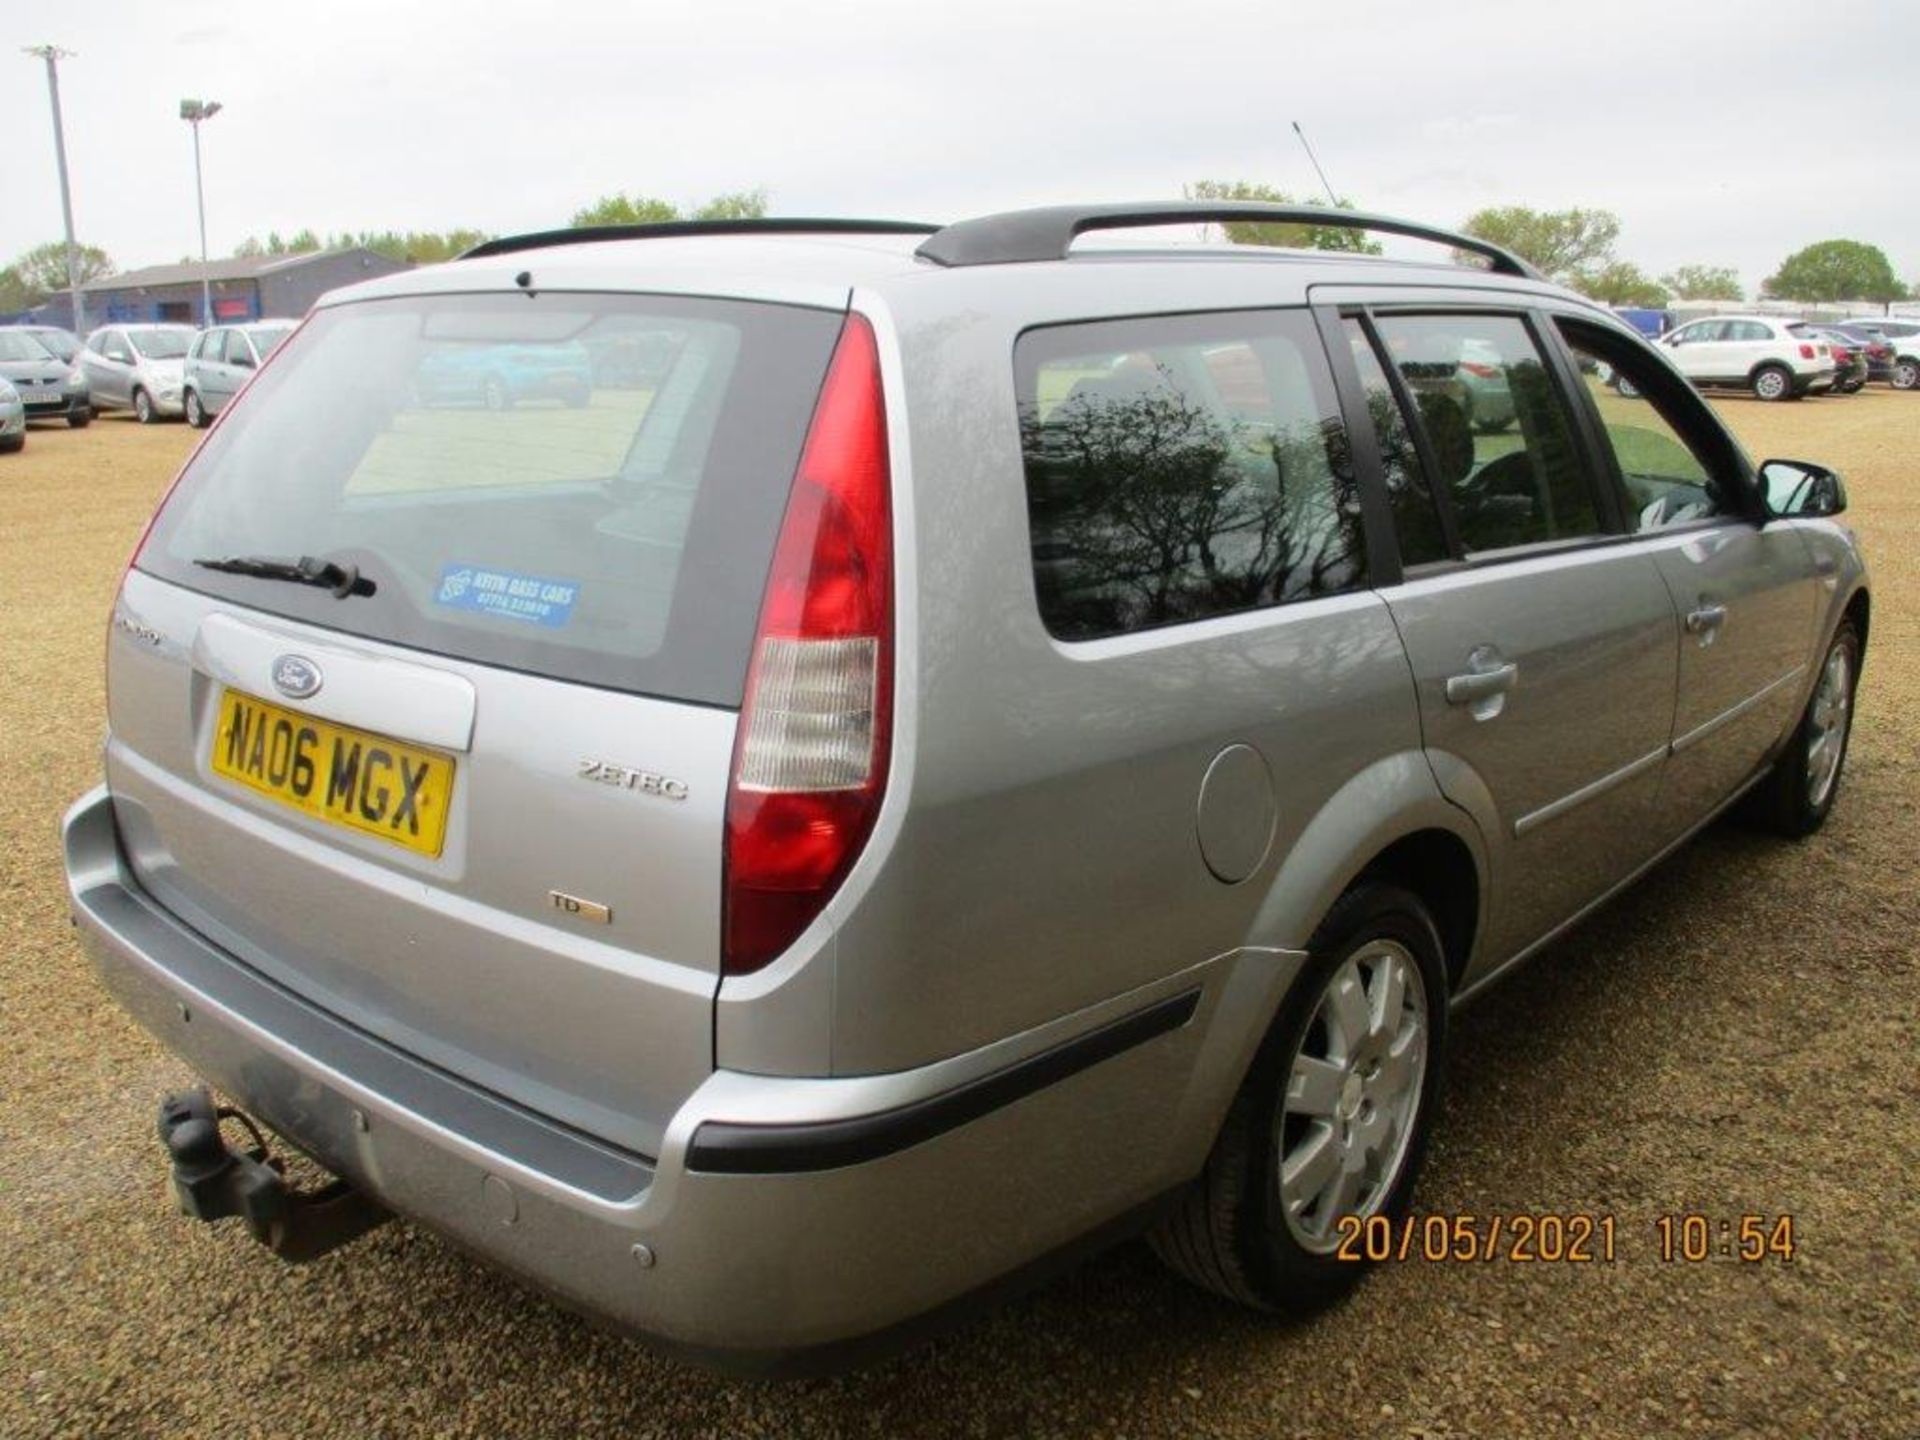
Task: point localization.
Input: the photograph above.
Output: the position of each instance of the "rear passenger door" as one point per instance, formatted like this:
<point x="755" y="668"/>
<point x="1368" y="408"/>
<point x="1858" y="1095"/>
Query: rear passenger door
<point x="1542" y="647"/>
<point x="1744" y="586"/>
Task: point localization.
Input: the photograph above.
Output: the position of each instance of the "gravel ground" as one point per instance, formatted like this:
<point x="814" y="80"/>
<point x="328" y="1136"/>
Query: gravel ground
<point x="1736" y="1036"/>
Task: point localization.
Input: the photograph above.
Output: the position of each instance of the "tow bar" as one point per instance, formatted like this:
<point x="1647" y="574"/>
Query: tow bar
<point x="213" y="1181"/>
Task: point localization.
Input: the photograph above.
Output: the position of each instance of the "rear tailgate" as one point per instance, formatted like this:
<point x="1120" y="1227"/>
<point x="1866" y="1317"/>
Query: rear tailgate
<point x="479" y="811"/>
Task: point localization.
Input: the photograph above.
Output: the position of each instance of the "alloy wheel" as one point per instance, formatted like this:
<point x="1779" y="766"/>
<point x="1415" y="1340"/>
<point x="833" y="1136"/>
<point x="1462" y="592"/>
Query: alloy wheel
<point x="1827" y="725"/>
<point x="1353" y="1093"/>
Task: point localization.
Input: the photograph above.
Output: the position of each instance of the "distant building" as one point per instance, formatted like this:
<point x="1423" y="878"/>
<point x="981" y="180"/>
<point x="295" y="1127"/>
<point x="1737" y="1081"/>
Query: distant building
<point x="247" y="287"/>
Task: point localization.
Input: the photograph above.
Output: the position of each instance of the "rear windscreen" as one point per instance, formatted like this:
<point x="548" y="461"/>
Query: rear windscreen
<point x="582" y="486"/>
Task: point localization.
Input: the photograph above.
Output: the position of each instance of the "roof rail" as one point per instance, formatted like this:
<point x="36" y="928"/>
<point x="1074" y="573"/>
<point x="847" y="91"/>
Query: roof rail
<point x="1025" y="236"/>
<point x="672" y="229"/>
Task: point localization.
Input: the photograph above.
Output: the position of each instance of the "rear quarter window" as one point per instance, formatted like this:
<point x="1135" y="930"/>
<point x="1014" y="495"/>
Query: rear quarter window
<point x="1182" y="467"/>
<point x="580" y="486"/>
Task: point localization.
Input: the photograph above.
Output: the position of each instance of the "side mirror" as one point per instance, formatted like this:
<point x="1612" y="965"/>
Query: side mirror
<point x="1798" y="489"/>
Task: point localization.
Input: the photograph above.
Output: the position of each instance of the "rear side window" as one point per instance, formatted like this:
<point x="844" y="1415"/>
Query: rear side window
<point x="581" y="486"/>
<point x="1182" y="467"/>
<point x="1416" y="518"/>
<point x="1497" y="427"/>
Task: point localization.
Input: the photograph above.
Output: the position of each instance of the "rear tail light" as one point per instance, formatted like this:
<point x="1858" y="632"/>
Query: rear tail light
<point x="1806" y="352"/>
<point x="810" y="763"/>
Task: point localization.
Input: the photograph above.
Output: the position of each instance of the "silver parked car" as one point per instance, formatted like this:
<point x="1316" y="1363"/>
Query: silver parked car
<point x="48" y="387"/>
<point x="13" y="419"/>
<point x="223" y="359"/>
<point x="64" y="344"/>
<point x="991" y="747"/>
<point x="137" y="368"/>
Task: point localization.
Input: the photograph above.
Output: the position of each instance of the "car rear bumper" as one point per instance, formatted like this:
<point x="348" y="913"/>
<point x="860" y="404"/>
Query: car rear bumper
<point x="785" y="1221"/>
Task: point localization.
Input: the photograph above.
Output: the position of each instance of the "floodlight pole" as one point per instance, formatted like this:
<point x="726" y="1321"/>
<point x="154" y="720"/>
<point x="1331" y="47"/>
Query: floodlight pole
<point x="53" y="55"/>
<point x="193" y="112"/>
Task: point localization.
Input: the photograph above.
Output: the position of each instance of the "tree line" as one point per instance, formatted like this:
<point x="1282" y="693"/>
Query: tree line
<point x="1574" y="246"/>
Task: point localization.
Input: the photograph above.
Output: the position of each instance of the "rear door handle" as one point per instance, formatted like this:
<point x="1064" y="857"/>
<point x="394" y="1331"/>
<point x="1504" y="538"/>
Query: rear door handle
<point x="1706" y="619"/>
<point x="1479" y="685"/>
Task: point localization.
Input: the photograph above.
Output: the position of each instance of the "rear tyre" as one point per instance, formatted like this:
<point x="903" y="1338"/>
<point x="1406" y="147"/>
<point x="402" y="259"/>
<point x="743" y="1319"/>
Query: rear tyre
<point x="80" y="419"/>
<point x="1906" y="374"/>
<point x="143" y="410"/>
<point x="1773" y="382"/>
<point x="13" y="444"/>
<point x="196" y="412"/>
<point x="1332" y="1119"/>
<point x="1798" y="793"/>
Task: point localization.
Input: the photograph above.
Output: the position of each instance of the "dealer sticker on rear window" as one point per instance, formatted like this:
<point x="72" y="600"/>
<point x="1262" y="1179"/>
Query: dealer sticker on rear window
<point x="535" y="599"/>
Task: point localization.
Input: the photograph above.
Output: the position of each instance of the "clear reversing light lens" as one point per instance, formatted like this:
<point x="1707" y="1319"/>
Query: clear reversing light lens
<point x="811" y="725"/>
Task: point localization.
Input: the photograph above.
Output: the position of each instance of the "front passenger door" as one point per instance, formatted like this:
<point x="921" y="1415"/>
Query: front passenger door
<point x="1700" y="351"/>
<point x="1541" y="648"/>
<point x="1744" y="590"/>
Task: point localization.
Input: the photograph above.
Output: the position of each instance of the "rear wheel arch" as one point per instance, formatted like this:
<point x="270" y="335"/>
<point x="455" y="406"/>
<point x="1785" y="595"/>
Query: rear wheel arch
<point x="1390" y="822"/>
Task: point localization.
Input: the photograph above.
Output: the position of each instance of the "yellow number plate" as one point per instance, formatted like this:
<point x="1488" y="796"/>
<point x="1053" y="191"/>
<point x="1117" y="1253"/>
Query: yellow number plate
<point x="334" y="773"/>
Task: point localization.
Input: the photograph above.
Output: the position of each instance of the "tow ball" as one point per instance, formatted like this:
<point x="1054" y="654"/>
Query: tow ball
<point x="212" y="1180"/>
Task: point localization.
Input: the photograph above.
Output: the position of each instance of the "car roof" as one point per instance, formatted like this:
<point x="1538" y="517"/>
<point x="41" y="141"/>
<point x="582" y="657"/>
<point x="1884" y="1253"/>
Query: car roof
<point x="822" y="269"/>
<point x="822" y="260"/>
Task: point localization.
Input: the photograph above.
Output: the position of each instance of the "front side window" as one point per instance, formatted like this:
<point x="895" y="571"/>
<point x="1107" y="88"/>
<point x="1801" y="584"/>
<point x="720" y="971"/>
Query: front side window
<point x="1668" y="478"/>
<point x="1496" y="426"/>
<point x="1183" y="467"/>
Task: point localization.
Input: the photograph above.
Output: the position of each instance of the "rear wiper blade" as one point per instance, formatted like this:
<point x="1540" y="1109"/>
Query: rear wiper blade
<point x="342" y="580"/>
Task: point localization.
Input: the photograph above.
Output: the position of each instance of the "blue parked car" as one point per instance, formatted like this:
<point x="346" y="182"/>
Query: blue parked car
<point x="501" y="376"/>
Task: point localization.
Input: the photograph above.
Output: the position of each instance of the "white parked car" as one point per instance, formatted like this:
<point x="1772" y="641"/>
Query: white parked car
<point x="1751" y="352"/>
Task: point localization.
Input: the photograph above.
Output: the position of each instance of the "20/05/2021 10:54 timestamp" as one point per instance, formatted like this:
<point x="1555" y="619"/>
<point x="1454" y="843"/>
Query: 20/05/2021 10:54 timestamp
<point x="1576" y="1238"/>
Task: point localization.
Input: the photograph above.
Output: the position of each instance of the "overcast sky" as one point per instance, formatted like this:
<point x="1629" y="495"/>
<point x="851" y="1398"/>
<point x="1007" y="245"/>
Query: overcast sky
<point x="1721" y="131"/>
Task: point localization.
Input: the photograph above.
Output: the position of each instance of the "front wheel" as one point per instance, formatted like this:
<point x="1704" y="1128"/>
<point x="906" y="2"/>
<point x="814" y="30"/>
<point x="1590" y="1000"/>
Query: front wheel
<point x="1906" y="374"/>
<point x="143" y="410"/>
<point x="1798" y="793"/>
<point x="80" y="419"/>
<point x="1330" y="1127"/>
<point x="1772" y="382"/>
<point x="196" y="412"/>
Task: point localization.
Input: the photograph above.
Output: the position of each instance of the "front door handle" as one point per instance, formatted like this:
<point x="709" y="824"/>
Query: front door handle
<point x="1478" y="685"/>
<point x="1706" y="620"/>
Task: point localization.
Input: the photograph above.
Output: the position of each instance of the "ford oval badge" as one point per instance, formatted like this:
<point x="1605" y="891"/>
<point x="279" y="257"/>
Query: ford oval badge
<point x="296" y="677"/>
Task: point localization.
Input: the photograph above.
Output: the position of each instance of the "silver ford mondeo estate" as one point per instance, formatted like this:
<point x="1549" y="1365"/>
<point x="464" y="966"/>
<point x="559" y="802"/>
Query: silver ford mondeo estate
<point x="946" y="746"/>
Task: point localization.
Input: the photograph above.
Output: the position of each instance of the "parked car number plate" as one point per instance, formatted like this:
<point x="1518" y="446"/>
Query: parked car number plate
<point x="335" y="773"/>
<point x="38" y="394"/>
